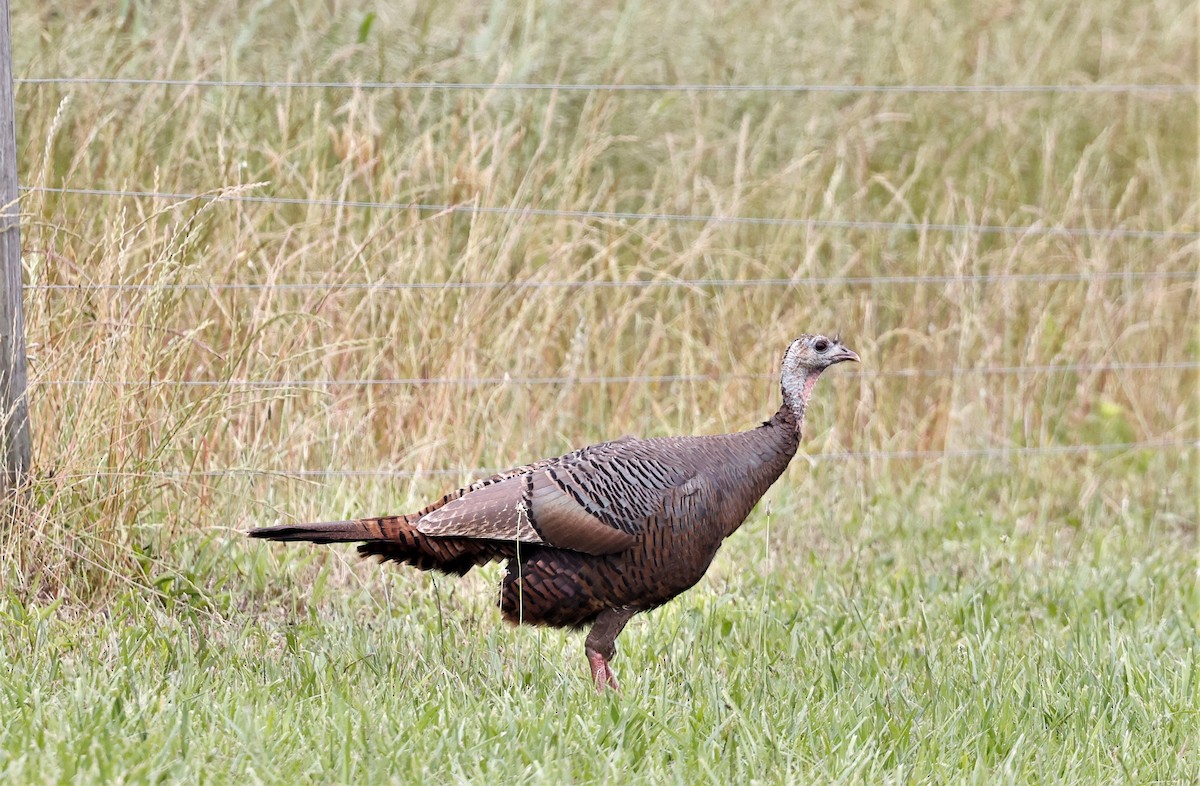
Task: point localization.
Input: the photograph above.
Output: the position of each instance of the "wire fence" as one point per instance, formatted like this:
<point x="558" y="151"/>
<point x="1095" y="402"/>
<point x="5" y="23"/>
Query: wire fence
<point x="637" y="379"/>
<point x="1183" y="236"/>
<point x="607" y="215"/>
<point x="707" y="283"/>
<point x="600" y="87"/>
<point x="669" y="283"/>
<point x="997" y="452"/>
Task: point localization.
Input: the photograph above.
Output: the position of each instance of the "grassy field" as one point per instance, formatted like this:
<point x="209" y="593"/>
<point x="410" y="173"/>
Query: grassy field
<point x="909" y="605"/>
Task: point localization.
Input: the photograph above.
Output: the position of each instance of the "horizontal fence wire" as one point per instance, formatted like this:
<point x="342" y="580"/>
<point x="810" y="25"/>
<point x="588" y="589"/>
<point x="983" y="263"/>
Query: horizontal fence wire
<point x="695" y="283"/>
<point x="591" y="87"/>
<point x="1065" y="368"/>
<point x="997" y="452"/>
<point x="616" y="215"/>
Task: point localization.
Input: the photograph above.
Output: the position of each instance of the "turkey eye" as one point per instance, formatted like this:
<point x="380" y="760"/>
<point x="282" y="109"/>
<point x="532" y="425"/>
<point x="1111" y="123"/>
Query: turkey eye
<point x="821" y="345"/>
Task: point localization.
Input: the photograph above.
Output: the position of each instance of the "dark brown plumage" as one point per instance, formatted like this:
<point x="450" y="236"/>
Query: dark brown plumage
<point x="600" y="534"/>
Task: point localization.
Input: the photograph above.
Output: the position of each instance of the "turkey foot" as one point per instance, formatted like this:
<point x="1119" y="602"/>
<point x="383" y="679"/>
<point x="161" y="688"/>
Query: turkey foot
<point x="602" y="673"/>
<point x="601" y="645"/>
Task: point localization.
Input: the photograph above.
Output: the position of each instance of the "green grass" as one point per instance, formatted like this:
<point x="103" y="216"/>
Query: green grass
<point x="975" y="649"/>
<point x="1022" y="618"/>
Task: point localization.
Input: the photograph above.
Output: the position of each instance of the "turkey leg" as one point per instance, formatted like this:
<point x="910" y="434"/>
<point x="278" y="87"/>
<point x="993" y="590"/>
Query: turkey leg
<point x="601" y="645"/>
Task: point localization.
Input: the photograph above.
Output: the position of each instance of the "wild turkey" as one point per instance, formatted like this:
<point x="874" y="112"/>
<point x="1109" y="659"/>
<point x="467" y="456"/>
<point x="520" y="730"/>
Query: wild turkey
<point x="600" y="534"/>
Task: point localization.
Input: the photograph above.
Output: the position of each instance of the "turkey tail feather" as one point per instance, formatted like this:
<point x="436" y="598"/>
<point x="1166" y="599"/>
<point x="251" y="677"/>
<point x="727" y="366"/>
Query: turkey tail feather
<point x="329" y="532"/>
<point x="394" y="538"/>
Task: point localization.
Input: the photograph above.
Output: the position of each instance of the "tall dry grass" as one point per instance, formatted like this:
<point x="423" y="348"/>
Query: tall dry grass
<point x="128" y="461"/>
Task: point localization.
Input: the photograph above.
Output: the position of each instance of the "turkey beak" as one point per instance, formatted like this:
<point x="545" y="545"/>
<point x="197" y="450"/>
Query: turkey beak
<point x="845" y="354"/>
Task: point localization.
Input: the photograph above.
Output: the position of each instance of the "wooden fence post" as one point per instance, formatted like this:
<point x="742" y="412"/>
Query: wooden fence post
<point x="14" y="407"/>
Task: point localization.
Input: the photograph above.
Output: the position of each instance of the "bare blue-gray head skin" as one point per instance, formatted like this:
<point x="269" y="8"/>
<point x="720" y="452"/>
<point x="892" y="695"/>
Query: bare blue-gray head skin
<point x="803" y="362"/>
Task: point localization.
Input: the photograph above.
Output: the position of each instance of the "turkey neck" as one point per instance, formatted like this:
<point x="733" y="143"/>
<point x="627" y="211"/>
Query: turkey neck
<point x="761" y="455"/>
<point x="797" y="388"/>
